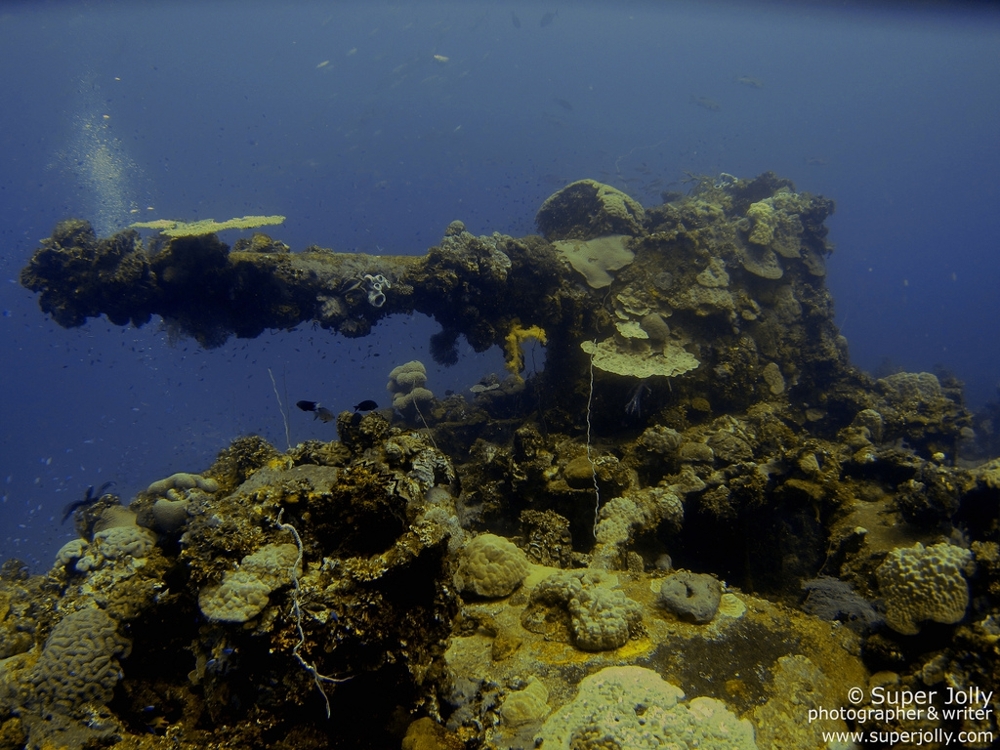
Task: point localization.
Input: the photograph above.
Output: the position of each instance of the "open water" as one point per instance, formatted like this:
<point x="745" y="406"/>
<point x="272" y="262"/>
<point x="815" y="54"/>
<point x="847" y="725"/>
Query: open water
<point x="373" y="125"/>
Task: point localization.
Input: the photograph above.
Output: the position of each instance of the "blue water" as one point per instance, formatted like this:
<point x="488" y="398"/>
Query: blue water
<point x="373" y="125"/>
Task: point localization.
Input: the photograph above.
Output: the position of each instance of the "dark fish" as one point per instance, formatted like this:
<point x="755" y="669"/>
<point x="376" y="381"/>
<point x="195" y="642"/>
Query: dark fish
<point x="563" y="103"/>
<point x="547" y="19"/>
<point x="307" y="405"/>
<point x="366" y="405"/>
<point x="89" y="498"/>
<point x="515" y="20"/>
<point x="68" y="510"/>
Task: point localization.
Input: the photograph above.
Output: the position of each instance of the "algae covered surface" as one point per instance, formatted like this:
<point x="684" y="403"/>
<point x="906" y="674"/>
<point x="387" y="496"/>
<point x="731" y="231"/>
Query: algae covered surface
<point x="698" y="526"/>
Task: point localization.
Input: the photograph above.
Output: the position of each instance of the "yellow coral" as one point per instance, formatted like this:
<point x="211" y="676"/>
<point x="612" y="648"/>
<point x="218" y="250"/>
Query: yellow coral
<point x="636" y="358"/>
<point x="206" y="226"/>
<point x="280" y="463"/>
<point x="512" y="345"/>
<point x="764" y="222"/>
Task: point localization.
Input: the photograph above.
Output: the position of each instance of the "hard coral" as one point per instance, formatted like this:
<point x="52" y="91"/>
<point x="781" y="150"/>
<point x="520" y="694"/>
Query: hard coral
<point x="406" y="385"/>
<point x="633" y="707"/>
<point x="924" y="583"/>
<point x="79" y="663"/>
<point x="594" y="259"/>
<point x="115" y="543"/>
<point x="490" y="566"/>
<point x="600" y="618"/>
<point x="243" y="594"/>
<point x="587" y="208"/>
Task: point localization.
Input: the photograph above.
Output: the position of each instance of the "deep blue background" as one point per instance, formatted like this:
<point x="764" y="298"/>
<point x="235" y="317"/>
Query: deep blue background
<point x="339" y="116"/>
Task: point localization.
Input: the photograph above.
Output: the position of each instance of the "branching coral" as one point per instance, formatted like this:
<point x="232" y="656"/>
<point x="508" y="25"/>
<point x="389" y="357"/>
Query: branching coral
<point x="515" y="338"/>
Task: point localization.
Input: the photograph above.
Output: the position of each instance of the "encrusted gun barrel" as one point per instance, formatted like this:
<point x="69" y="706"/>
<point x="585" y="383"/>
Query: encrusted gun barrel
<point x="722" y="289"/>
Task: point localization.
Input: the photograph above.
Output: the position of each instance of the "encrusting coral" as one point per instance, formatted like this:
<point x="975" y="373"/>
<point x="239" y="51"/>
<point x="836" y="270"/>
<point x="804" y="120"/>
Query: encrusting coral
<point x="171" y="228"/>
<point x="243" y="593"/>
<point x="634" y="707"/>
<point x="595" y="259"/>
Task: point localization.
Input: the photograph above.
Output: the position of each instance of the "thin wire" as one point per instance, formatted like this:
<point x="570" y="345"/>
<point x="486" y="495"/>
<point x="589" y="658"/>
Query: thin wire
<point x="593" y="467"/>
<point x="281" y="408"/>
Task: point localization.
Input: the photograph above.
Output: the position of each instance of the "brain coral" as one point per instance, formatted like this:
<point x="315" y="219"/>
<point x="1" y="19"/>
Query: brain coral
<point x="622" y="517"/>
<point x="603" y="620"/>
<point x="70" y="552"/>
<point x="119" y="541"/>
<point x="79" y="663"/>
<point x="490" y="566"/>
<point x="240" y="597"/>
<point x="634" y="708"/>
<point x="169" y="515"/>
<point x="921" y="583"/>
<point x="526" y="706"/>
<point x="585" y="209"/>
<point x="116" y="543"/>
<point x="183" y="481"/>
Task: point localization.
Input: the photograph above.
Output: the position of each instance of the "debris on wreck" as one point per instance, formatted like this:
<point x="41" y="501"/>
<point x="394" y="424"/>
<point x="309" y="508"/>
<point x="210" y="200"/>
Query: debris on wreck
<point x="702" y="450"/>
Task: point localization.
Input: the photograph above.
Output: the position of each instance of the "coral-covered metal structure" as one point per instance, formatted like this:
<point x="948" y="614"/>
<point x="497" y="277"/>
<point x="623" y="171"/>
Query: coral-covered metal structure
<point x="699" y="452"/>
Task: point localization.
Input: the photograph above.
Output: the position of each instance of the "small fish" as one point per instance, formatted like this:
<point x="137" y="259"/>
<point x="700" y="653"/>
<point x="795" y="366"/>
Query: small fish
<point x="547" y="19"/>
<point x="703" y="101"/>
<point x="515" y="20"/>
<point x="366" y="405"/>
<point x="441" y="58"/>
<point x="563" y="103"/>
<point x="88" y="499"/>
<point x="320" y="412"/>
<point x="754" y="83"/>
